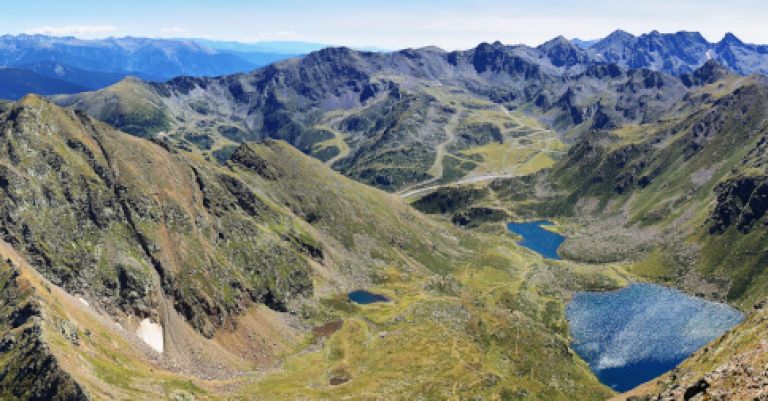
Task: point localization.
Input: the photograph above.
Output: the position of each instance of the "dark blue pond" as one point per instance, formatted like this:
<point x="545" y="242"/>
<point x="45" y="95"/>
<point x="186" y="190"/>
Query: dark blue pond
<point x="537" y="239"/>
<point x="634" y="334"/>
<point x="365" y="297"/>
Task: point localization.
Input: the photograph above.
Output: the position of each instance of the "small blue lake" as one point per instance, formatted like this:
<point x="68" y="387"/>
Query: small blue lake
<point x="637" y="333"/>
<point x="538" y="239"/>
<point x="364" y="297"/>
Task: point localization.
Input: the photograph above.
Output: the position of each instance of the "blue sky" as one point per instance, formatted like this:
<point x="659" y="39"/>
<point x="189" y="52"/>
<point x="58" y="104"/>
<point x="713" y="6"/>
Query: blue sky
<point x="385" y="23"/>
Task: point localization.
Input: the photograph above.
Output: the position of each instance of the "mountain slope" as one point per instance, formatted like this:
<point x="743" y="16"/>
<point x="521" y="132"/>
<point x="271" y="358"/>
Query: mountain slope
<point x="691" y="176"/>
<point x="680" y="197"/>
<point x="86" y="78"/>
<point x="30" y="371"/>
<point x="160" y="58"/>
<point x="127" y="241"/>
<point x="394" y="119"/>
<point x="76" y="169"/>
<point x="680" y="201"/>
<point x="679" y="53"/>
<point x="15" y="83"/>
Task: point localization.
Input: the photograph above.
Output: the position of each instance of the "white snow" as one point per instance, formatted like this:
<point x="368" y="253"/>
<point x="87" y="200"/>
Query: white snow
<point x="151" y="333"/>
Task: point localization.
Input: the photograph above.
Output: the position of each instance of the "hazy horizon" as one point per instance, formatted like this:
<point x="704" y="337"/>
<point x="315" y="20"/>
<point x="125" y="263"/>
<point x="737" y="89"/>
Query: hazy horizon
<point x="394" y="25"/>
<point x="376" y="48"/>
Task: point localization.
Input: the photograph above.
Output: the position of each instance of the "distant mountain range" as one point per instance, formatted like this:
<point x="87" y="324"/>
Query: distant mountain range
<point x="15" y="83"/>
<point x="68" y="64"/>
<point x="676" y="53"/>
<point x="269" y="47"/>
<point x="95" y="64"/>
<point x="344" y="106"/>
<point x="206" y="249"/>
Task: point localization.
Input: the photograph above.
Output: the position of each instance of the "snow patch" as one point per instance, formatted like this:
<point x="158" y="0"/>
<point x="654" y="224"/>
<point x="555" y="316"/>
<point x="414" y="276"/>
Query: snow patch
<point x="151" y="333"/>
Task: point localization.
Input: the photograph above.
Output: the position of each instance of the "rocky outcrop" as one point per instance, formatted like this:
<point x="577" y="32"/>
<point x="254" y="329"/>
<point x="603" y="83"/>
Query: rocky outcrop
<point x="679" y="53"/>
<point x="711" y="72"/>
<point x="741" y="203"/>
<point x="448" y="199"/>
<point x="28" y="369"/>
<point x="564" y="53"/>
<point x="475" y="216"/>
<point x="123" y="220"/>
<point x="391" y="126"/>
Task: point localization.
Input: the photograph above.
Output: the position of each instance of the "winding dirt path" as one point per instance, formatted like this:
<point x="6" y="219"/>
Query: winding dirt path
<point x="463" y="181"/>
<point x="437" y="169"/>
<point x="340" y="143"/>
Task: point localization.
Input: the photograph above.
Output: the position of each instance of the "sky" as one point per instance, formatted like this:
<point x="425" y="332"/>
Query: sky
<point x="387" y="24"/>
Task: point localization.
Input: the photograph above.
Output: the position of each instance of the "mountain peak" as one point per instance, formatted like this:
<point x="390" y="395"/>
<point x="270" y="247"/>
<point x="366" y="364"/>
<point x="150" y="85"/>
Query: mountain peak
<point x="562" y="52"/>
<point x="559" y="41"/>
<point x="620" y="33"/>
<point x="616" y="38"/>
<point x="130" y="80"/>
<point x="334" y="51"/>
<point x="709" y="72"/>
<point x="730" y="40"/>
<point x="31" y="100"/>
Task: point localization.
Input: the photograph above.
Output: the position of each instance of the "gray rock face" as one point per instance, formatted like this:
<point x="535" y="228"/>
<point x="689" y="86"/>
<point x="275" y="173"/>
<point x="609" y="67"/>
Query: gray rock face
<point x="679" y="53"/>
<point x="99" y="229"/>
<point x="30" y="371"/>
<point x="384" y="104"/>
<point x="741" y="202"/>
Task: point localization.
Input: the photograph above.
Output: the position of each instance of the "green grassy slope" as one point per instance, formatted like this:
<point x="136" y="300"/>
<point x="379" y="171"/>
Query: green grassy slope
<point x="238" y="262"/>
<point x="682" y="197"/>
<point x="403" y="119"/>
<point x="681" y="201"/>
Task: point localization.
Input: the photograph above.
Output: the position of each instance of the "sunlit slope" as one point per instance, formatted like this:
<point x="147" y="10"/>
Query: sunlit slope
<point x="238" y="262"/>
<point x="399" y="120"/>
<point x="682" y="198"/>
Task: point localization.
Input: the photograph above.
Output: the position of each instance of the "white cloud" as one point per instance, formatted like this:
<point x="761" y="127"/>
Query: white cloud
<point x="173" y="30"/>
<point x="277" y="35"/>
<point x="78" y="30"/>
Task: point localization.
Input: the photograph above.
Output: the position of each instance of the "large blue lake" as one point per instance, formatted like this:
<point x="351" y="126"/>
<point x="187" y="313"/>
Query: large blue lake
<point x="538" y="239"/>
<point x="634" y="334"/>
